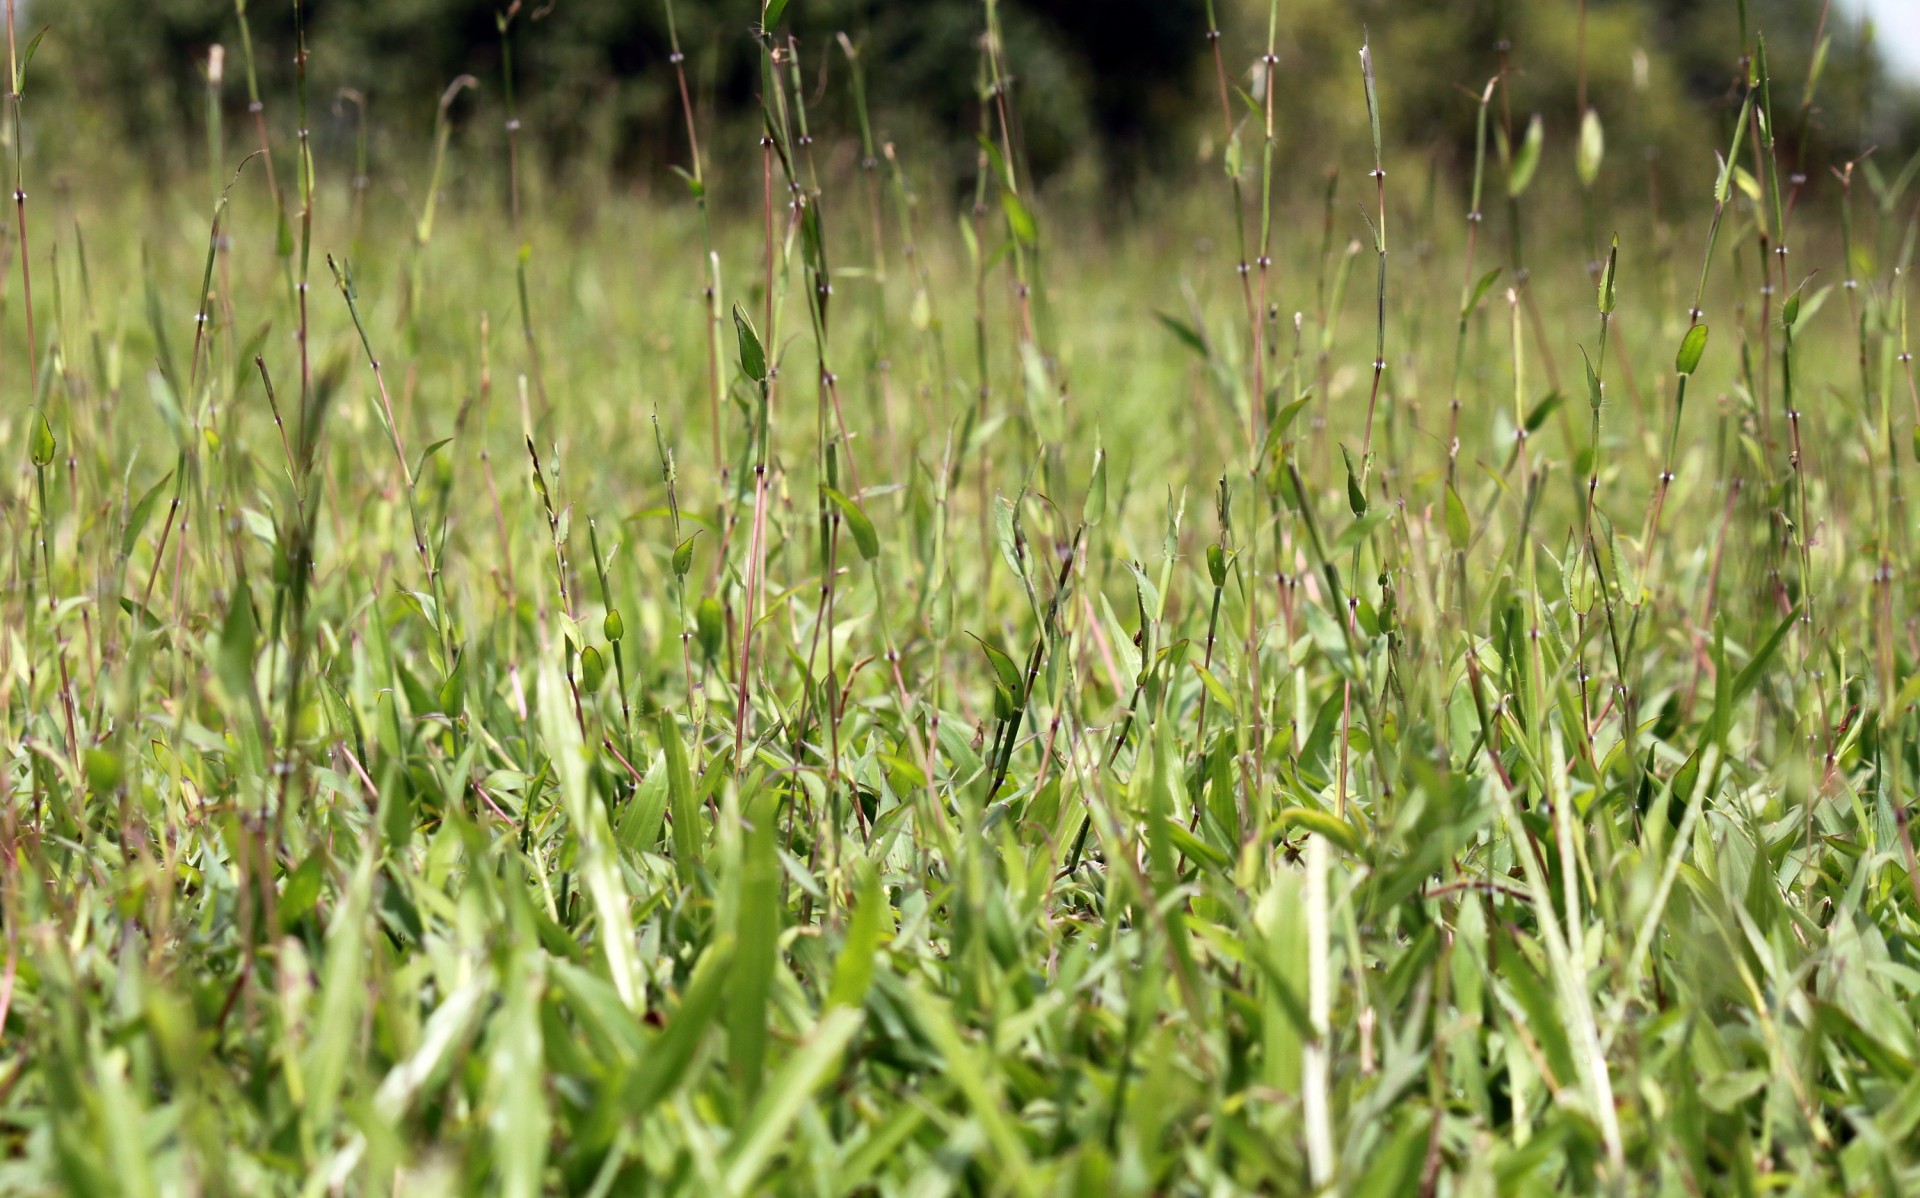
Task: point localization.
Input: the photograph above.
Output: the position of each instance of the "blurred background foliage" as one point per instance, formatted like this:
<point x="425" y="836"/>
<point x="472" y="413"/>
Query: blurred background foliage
<point x="1112" y="91"/>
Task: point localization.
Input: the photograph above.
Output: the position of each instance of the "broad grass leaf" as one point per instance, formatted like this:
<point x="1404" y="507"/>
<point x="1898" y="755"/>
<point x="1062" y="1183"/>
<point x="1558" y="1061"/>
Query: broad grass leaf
<point x="1217" y="689"/>
<point x="239" y="638"/>
<point x="608" y="1030"/>
<point x="600" y="879"/>
<point x="1326" y="824"/>
<point x="334" y="1039"/>
<point x="1004" y="667"/>
<point x="301" y="890"/>
<point x="519" y="1117"/>
<point x="758" y="918"/>
<point x="869" y="924"/>
<point x="638" y="830"/>
<point x="1394" y="1169"/>
<point x="689" y="833"/>
<point x="1198" y="851"/>
<point x="671" y="1053"/>
<point x="770" y="1120"/>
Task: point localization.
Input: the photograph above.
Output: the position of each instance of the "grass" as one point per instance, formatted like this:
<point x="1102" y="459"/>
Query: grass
<point x="802" y="689"/>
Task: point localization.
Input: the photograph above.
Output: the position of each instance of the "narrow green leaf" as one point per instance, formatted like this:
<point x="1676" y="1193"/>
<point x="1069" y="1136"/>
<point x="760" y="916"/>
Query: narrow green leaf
<point x="1095" y="508"/>
<point x="1545" y="408"/>
<point x="1356" y="483"/>
<point x="1186" y="333"/>
<point x="753" y="359"/>
<point x="864" y="536"/>
<point x="140" y="513"/>
<point x="1607" y="277"/>
<point x="1479" y="292"/>
<point x="26" y="56"/>
<point x="1147" y="593"/>
<point x="1527" y="158"/>
<point x="1019" y="218"/>
<point x="1459" y="527"/>
<point x="1373" y="99"/>
<point x="1003" y="666"/>
<point x="1006" y="535"/>
<point x="1749" y="677"/>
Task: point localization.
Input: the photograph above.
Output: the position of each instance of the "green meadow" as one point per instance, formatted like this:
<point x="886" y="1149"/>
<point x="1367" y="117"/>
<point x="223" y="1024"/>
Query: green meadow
<point x="1339" y="671"/>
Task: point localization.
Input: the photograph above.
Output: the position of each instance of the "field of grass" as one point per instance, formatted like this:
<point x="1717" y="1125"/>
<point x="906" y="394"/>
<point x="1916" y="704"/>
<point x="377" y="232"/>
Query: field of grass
<point x="826" y="687"/>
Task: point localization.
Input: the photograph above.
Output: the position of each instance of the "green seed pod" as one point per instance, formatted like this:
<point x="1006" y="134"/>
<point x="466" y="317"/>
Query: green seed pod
<point x="613" y="626"/>
<point x="593" y="671"/>
<point x="1216" y="565"/>
<point x="40" y="444"/>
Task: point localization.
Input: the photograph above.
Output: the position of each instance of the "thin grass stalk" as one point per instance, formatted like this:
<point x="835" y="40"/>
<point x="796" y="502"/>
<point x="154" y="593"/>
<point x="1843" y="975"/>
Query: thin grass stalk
<point x="709" y="259"/>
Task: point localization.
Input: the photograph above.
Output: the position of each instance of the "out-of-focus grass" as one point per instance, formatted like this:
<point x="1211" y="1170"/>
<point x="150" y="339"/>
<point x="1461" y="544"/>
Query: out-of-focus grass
<point x="1028" y="744"/>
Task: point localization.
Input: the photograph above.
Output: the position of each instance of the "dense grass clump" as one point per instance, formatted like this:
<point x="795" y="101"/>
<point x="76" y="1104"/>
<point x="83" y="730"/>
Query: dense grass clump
<point x="1368" y="682"/>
